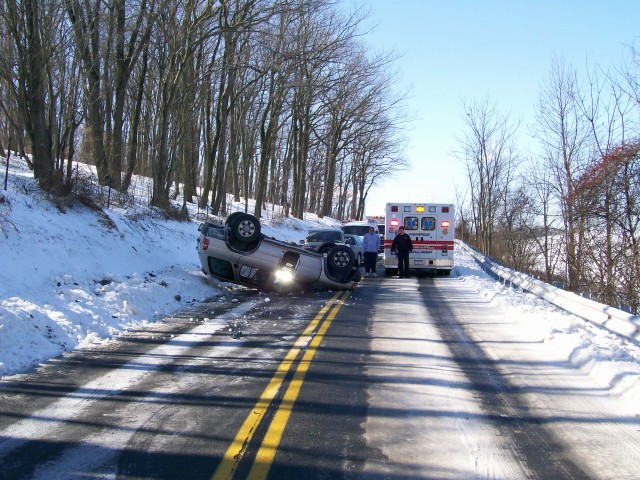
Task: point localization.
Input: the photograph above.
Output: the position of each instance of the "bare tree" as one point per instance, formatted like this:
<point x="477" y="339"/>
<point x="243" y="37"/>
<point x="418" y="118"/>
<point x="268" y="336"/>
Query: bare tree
<point x="544" y="229"/>
<point x="611" y="186"/>
<point x="118" y="51"/>
<point x="135" y="118"/>
<point x="176" y="42"/>
<point x="318" y="40"/>
<point x="277" y="84"/>
<point x="86" y="21"/>
<point x="563" y="133"/>
<point x="376" y="152"/>
<point x="488" y="152"/>
<point x="271" y="99"/>
<point x="32" y="27"/>
<point x="513" y="244"/>
<point x="130" y="40"/>
<point x="607" y="111"/>
<point x="233" y="23"/>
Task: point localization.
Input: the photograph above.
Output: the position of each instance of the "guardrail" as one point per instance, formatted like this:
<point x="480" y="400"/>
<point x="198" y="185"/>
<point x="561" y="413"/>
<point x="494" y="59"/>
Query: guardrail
<point x="611" y="318"/>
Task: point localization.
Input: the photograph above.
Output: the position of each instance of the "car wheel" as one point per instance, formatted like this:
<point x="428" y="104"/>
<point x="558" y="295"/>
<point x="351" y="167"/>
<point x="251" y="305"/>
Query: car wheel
<point x="244" y="227"/>
<point x="340" y="259"/>
<point x="233" y="215"/>
<point x="359" y="263"/>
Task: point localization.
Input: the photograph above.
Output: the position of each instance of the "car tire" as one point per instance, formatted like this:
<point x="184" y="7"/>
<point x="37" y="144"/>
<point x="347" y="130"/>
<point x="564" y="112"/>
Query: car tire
<point x="231" y="218"/>
<point x="340" y="259"/>
<point x="244" y="228"/>
<point x="359" y="262"/>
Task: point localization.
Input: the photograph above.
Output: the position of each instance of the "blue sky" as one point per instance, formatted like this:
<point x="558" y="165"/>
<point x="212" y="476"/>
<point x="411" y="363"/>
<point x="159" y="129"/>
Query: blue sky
<point x="455" y="51"/>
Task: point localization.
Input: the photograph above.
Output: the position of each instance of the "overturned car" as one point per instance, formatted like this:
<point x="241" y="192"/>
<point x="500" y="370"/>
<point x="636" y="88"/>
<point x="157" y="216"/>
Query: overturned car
<point x="238" y="252"/>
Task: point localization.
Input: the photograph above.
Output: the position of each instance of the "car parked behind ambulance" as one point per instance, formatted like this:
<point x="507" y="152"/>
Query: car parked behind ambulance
<point x="362" y="227"/>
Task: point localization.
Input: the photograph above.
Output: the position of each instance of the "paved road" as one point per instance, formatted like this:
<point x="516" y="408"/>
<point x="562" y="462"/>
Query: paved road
<point x="390" y="381"/>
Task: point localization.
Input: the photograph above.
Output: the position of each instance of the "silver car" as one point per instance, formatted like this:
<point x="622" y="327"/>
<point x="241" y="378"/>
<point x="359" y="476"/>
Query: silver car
<point x="356" y="245"/>
<point x="238" y="252"/>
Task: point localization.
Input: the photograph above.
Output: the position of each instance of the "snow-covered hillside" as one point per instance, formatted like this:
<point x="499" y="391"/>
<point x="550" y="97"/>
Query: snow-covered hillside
<point x="71" y="275"/>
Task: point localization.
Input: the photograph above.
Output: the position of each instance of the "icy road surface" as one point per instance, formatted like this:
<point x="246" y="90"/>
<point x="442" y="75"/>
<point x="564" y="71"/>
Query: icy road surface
<point x="466" y="387"/>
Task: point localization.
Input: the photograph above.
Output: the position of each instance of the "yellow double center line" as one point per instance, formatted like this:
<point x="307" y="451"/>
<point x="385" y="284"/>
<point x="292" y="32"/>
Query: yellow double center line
<point x="269" y="446"/>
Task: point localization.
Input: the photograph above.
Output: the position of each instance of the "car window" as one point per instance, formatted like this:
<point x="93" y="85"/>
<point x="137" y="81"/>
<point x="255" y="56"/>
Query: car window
<point x="356" y="229"/>
<point x="315" y="237"/>
<point x="324" y="236"/>
<point x="357" y="240"/>
<point x="212" y="230"/>
<point x="220" y="268"/>
<point x="360" y="230"/>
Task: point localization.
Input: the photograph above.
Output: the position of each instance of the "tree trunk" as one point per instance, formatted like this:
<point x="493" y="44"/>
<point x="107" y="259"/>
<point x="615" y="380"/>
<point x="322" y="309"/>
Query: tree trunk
<point x="87" y="36"/>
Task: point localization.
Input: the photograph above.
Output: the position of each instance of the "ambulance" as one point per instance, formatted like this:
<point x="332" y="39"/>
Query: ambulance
<point x="431" y="227"/>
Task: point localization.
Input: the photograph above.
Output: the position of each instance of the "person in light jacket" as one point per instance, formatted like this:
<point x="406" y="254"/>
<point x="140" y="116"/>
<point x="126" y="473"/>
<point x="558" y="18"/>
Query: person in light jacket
<point x="401" y="247"/>
<point x="371" y="243"/>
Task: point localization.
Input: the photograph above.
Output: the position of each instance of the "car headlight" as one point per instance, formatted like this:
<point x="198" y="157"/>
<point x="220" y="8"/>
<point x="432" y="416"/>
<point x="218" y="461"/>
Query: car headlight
<point x="284" y="275"/>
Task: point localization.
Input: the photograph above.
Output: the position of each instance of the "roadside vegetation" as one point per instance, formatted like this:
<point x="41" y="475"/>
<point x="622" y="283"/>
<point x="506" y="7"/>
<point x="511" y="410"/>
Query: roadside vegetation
<point x="569" y="212"/>
<point x="279" y="101"/>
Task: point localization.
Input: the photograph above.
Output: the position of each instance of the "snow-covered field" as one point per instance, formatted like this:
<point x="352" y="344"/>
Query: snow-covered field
<point x="73" y="276"/>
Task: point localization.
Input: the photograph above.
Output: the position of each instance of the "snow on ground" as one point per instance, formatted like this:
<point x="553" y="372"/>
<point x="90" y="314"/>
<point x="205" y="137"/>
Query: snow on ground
<point x="71" y="275"/>
<point x="612" y="360"/>
<point x="74" y="276"/>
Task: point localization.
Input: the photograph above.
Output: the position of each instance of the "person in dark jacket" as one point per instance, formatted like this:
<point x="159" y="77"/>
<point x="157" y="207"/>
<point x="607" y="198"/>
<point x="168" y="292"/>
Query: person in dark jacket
<point x="401" y="246"/>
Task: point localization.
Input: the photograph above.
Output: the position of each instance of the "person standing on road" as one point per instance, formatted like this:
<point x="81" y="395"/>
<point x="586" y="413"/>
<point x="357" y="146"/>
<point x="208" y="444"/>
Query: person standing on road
<point x="371" y="242"/>
<point x="401" y="246"/>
